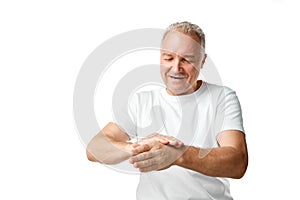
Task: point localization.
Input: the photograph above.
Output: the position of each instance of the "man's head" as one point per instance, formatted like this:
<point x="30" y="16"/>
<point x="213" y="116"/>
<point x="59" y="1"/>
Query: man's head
<point x="182" y="57"/>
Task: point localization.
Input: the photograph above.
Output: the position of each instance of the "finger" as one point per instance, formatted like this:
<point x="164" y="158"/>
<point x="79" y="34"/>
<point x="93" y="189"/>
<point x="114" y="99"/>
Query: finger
<point x="134" y="145"/>
<point x="176" y="143"/>
<point x="145" y="163"/>
<point x="163" y="141"/>
<point x="153" y="135"/>
<point x="140" y="149"/>
<point x="152" y="140"/>
<point x="172" y="140"/>
<point x="158" y="137"/>
<point x="141" y="157"/>
<point x="149" y="168"/>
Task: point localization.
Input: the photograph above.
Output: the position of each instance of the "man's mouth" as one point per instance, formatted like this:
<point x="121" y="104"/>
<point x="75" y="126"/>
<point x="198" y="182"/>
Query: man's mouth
<point x="177" y="77"/>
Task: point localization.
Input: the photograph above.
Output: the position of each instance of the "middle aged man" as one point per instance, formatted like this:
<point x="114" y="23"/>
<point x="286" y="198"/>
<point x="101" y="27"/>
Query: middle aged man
<point x="198" y="137"/>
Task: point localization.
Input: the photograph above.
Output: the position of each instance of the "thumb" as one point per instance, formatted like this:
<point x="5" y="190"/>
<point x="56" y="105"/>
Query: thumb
<point x="163" y="141"/>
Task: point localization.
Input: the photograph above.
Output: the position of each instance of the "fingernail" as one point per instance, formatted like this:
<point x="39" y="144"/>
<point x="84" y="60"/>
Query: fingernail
<point x="131" y="161"/>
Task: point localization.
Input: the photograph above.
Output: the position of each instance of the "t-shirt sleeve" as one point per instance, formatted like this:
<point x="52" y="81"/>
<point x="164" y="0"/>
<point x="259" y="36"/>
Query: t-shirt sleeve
<point x="229" y="112"/>
<point x="125" y="115"/>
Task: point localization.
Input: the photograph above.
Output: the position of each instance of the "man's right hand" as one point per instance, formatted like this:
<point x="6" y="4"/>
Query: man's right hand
<point x="156" y="152"/>
<point x="148" y="142"/>
<point x="166" y="139"/>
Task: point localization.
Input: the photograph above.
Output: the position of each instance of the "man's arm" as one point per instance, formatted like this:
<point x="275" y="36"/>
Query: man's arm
<point x="230" y="159"/>
<point x="109" y="146"/>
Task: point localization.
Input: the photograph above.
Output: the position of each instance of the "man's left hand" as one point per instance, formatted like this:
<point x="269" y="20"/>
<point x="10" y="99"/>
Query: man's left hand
<point x="152" y="155"/>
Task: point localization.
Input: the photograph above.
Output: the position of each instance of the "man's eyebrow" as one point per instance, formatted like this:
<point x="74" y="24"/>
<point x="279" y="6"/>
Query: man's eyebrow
<point x="166" y="54"/>
<point x="188" y="56"/>
<point x="184" y="56"/>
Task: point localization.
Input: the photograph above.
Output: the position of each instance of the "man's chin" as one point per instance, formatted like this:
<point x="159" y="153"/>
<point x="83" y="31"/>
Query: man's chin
<point x="178" y="91"/>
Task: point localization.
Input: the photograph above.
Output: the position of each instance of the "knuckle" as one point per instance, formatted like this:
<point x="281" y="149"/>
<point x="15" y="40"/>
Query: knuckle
<point x="153" y="161"/>
<point x="133" y="159"/>
<point x="172" y="138"/>
<point x="149" y="162"/>
<point x="142" y="170"/>
<point x="145" y="156"/>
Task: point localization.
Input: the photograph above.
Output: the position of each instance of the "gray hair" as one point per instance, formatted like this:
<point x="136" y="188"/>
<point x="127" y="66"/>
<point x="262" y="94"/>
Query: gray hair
<point x="187" y="28"/>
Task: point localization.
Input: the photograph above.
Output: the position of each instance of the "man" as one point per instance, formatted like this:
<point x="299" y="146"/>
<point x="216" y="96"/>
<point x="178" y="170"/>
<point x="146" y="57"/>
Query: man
<point x="193" y="141"/>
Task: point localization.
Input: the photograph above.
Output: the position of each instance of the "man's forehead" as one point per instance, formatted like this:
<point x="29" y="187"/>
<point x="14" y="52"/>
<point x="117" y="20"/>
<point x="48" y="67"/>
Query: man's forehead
<point x="180" y="43"/>
<point x="179" y="36"/>
<point x="165" y="52"/>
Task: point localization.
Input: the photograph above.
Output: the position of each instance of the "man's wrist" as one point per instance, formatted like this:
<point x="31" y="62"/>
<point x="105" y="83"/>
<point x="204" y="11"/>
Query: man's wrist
<point x="180" y="160"/>
<point x="124" y="146"/>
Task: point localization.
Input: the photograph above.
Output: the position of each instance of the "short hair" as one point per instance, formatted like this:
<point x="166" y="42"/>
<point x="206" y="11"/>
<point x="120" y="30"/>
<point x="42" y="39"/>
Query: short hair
<point x="187" y="28"/>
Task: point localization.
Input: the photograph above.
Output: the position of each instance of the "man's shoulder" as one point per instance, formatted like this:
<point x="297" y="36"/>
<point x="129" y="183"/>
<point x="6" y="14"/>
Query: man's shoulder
<point x="216" y="88"/>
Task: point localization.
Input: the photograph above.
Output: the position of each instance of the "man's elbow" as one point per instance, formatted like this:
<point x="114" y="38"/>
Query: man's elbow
<point x="90" y="156"/>
<point x="240" y="173"/>
<point x="241" y="168"/>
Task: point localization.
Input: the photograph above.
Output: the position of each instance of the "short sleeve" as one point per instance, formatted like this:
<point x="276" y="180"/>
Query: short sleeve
<point x="125" y="115"/>
<point x="229" y="113"/>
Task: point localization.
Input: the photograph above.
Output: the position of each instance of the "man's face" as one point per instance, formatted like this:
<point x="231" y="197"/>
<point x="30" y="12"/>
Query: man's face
<point x="180" y="63"/>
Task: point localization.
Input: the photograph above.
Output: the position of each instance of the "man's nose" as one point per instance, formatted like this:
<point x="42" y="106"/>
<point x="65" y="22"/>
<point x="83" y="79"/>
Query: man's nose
<point x="176" y="65"/>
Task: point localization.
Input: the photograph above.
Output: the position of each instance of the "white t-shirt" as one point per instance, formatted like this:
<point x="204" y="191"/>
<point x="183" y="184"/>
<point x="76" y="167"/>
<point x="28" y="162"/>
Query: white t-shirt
<point x="196" y="119"/>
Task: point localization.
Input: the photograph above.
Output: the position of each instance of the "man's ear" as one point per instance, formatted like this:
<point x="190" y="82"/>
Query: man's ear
<point x="203" y="60"/>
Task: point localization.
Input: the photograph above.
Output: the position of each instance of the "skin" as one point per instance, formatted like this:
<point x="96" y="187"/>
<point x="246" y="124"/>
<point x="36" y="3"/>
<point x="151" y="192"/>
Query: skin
<point x="111" y="146"/>
<point x="228" y="160"/>
<point x="181" y="61"/>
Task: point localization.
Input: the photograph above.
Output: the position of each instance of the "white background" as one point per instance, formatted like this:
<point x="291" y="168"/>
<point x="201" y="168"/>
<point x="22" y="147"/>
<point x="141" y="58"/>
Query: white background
<point x="254" y="44"/>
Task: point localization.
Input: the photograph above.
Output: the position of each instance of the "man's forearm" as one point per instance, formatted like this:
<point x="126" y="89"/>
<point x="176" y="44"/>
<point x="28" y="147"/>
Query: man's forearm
<point x="106" y="149"/>
<point x="217" y="162"/>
